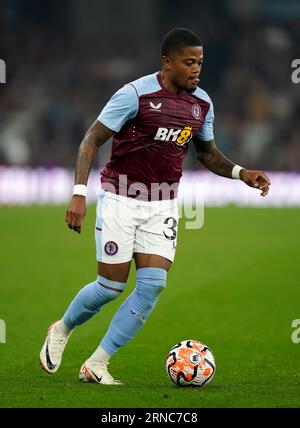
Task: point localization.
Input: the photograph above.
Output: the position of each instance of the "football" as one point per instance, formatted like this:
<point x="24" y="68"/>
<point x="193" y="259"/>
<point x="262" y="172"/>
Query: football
<point x="190" y="363"/>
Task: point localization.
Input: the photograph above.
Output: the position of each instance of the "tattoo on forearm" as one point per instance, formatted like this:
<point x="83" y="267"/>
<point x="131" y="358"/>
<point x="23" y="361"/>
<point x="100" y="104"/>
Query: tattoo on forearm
<point x="216" y="162"/>
<point x="86" y="155"/>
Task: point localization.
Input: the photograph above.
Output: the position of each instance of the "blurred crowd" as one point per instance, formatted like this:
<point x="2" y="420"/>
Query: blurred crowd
<point x="58" y="80"/>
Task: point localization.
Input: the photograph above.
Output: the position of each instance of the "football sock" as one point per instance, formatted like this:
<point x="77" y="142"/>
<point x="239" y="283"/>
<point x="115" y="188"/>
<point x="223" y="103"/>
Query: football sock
<point x="61" y="328"/>
<point x="99" y="356"/>
<point x="133" y="313"/>
<point x="90" y="300"/>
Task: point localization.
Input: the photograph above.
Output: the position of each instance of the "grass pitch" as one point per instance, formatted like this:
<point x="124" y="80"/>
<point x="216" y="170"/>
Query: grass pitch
<point x="234" y="285"/>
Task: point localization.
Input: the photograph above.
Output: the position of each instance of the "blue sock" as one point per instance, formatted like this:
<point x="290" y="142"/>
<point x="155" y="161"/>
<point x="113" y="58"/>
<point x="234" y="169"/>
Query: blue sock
<point x="133" y="313"/>
<point x="90" y="300"/>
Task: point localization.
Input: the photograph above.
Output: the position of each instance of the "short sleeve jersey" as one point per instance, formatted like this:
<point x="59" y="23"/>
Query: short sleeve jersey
<point x="152" y="130"/>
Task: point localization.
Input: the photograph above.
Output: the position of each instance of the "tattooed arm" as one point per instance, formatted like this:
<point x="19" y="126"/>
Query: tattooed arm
<point x="211" y="157"/>
<point x="94" y="138"/>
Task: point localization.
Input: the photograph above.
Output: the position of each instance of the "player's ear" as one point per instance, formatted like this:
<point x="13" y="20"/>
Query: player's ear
<point x="166" y="62"/>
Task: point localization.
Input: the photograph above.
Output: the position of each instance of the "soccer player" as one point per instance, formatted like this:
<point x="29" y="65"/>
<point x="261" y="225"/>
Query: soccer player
<point x="152" y="121"/>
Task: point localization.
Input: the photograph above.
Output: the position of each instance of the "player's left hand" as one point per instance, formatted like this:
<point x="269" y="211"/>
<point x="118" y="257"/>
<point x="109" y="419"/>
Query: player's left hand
<point x="257" y="179"/>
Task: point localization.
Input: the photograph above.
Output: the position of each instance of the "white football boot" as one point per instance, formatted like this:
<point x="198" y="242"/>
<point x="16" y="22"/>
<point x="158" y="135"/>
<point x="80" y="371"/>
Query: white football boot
<point x="96" y="372"/>
<point x="52" y="350"/>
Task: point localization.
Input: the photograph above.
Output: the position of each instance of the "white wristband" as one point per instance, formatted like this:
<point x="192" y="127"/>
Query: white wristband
<point x="236" y="172"/>
<point x="80" y="189"/>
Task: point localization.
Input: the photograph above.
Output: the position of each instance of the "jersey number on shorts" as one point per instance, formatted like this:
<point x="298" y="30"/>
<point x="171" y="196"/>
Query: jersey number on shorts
<point x="171" y="228"/>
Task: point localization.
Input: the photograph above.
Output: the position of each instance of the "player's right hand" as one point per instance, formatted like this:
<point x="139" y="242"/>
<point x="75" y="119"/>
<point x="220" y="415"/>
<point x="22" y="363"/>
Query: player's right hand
<point x="76" y="212"/>
<point x="257" y="179"/>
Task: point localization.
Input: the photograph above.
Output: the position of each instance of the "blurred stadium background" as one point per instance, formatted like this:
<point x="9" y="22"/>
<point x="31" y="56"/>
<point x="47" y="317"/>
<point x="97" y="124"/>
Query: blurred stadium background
<point x="66" y="58"/>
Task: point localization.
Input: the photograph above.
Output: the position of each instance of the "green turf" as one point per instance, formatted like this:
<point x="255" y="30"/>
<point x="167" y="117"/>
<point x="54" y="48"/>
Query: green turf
<point x="234" y="285"/>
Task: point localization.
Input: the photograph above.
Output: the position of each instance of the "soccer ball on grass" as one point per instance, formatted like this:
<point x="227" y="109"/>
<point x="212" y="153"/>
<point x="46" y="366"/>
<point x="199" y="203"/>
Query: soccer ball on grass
<point x="190" y="363"/>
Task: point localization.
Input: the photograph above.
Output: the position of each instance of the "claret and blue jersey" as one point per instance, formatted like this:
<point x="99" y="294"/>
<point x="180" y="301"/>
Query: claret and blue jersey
<point x="152" y="130"/>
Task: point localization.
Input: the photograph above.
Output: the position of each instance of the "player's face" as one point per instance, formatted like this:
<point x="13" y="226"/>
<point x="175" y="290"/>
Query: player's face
<point x="184" y="67"/>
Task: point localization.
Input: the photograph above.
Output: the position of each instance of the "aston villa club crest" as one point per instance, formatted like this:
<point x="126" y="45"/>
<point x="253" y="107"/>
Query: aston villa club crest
<point x="196" y="111"/>
<point x="111" y="248"/>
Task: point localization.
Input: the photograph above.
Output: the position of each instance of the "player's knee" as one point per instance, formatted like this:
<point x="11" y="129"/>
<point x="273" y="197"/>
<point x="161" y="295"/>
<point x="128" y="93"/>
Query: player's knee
<point x="102" y="291"/>
<point x="149" y="293"/>
<point x="150" y="282"/>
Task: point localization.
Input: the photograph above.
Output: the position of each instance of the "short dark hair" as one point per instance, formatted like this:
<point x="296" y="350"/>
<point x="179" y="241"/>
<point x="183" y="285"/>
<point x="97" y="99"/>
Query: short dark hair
<point x="177" y="39"/>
